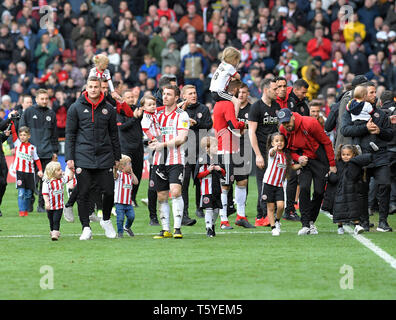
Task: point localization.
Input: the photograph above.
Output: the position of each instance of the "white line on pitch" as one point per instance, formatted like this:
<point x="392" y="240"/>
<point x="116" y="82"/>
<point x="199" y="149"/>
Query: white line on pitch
<point x="369" y="244"/>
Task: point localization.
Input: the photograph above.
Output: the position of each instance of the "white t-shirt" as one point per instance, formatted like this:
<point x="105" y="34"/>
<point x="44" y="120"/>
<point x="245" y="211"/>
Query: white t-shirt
<point x="222" y="77"/>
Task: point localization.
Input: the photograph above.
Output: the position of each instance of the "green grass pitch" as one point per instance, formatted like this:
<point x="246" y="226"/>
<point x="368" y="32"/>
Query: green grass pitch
<point x="237" y="264"/>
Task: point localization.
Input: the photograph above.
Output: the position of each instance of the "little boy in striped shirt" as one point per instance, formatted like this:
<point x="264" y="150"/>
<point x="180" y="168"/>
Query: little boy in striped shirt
<point x="25" y="159"/>
<point x="124" y="181"/>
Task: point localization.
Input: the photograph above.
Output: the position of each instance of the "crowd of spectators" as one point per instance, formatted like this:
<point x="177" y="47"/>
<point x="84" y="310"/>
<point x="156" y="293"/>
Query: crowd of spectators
<point x="319" y="41"/>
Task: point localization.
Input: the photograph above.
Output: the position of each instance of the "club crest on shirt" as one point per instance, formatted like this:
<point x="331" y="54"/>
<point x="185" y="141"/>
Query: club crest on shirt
<point x="199" y="115"/>
<point x="205" y="200"/>
<point x="48" y="118"/>
<point x="264" y="197"/>
<point x="151" y="183"/>
<point x="19" y="182"/>
<point x="105" y="111"/>
<point x="78" y="170"/>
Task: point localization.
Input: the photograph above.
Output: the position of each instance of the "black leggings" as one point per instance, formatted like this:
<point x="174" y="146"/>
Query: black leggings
<point x="54" y="217"/>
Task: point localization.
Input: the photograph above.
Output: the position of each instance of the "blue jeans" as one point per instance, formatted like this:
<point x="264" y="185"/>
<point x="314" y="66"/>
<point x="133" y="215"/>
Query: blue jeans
<point x="123" y="210"/>
<point x="24" y="196"/>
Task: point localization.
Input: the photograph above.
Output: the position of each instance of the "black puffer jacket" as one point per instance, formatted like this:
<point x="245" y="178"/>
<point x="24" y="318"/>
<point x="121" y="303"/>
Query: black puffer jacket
<point x="347" y="206"/>
<point x="362" y="137"/>
<point x="297" y="105"/>
<point x="91" y="134"/>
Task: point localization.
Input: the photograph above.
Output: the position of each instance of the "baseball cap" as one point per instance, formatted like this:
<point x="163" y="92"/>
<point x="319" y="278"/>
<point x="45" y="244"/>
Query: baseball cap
<point x="358" y="80"/>
<point x="284" y="115"/>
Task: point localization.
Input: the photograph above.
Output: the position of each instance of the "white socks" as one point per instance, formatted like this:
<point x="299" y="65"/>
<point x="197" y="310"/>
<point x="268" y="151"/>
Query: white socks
<point x="240" y="198"/>
<point x="224" y="201"/>
<point x="164" y="210"/>
<point x="177" y="208"/>
<point x="211" y="217"/>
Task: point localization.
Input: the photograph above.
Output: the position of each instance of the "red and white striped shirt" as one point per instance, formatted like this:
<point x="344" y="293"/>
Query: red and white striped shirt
<point x="54" y="189"/>
<point x="339" y="67"/>
<point x="123" y="188"/>
<point x="171" y="125"/>
<point x="205" y="177"/>
<point x="151" y="128"/>
<point x="25" y="157"/>
<point x="276" y="169"/>
<point x="73" y="182"/>
<point x="104" y="76"/>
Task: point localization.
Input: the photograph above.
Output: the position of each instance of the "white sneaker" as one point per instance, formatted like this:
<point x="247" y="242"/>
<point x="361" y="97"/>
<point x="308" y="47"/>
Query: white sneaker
<point x="86" y="234"/>
<point x="303" y="231"/>
<point x="340" y="230"/>
<point x="144" y="201"/>
<point x="94" y="218"/>
<point x="312" y="228"/>
<point x="358" y="229"/>
<point x="113" y="212"/>
<point x="278" y="226"/>
<point x="108" y="228"/>
<point x="275" y="232"/>
<point x="68" y="214"/>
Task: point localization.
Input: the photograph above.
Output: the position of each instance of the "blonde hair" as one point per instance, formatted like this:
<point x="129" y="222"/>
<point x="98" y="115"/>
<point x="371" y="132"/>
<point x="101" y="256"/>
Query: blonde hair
<point x="145" y="98"/>
<point x="100" y="59"/>
<point x="124" y="160"/>
<point x="360" y="92"/>
<point x="231" y="55"/>
<point x="207" y="141"/>
<point x="50" y="170"/>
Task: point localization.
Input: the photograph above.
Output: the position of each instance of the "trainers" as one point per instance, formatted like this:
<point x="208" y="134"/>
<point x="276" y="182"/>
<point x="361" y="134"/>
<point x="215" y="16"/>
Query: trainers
<point x="86" y="234"/>
<point x="266" y="222"/>
<point x="129" y="231"/>
<point x="259" y="222"/>
<point x="40" y="209"/>
<point x="55" y="235"/>
<point x="107" y="226"/>
<point x="113" y="212"/>
<point x="275" y="232"/>
<point x="163" y="234"/>
<point x="291" y="216"/>
<point x="358" y="229"/>
<point x="68" y="214"/>
<point x="94" y="218"/>
<point x="144" y="201"/>
<point x="340" y="230"/>
<point x="230" y="210"/>
<point x="383" y="226"/>
<point x="209" y="232"/>
<point x="312" y="228"/>
<point x="392" y="208"/>
<point x="243" y="222"/>
<point x="213" y="230"/>
<point x="187" y="221"/>
<point x="134" y="204"/>
<point x="365" y="226"/>
<point x="225" y="225"/>
<point x="154" y="222"/>
<point x="21" y="213"/>
<point x="278" y="225"/>
<point x="120" y="235"/>
<point x="177" y="234"/>
<point x="303" y="231"/>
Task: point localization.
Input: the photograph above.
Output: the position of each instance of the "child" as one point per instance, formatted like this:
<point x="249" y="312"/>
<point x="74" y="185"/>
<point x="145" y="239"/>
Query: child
<point x="72" y="192"/>
<point x="278" y="164"/>
<point x="124" y="180"/>
<point x="223" y="75"/>
<point x="347" y="205"/>
<point x="209" y="175"/>
<point x="25" y="158"/>
<point x="150" y="67"/>
<point x="100" y="70"/>
<point x="53" y="189"/>
<point x="362" y="112"/>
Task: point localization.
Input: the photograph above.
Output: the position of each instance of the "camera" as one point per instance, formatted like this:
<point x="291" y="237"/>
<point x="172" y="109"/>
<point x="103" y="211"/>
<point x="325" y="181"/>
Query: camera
<point x="15" y="116"/>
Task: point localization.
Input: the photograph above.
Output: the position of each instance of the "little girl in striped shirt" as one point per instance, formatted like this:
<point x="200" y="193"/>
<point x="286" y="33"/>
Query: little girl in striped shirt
<point x="54" y="182"/>
<point x="124" y="181"/>
<point x="278" y="164"/>
<point x="24" y="164"/>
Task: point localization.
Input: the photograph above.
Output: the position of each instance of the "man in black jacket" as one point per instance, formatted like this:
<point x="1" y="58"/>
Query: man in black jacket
<point x="131" y="139"/>
<point x="388" y="105"/>
<point x="200" y="123"/>
<point x="42" y="123"/>
<point x="93" y="151"/>
<point x="379" y="168"/>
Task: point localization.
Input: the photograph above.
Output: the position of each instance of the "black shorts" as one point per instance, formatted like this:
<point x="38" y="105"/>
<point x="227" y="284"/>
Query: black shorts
<point x="237" y="168"/>
<point x="167" y="175"/>
<point x="272" y="194"/>
<point x="25" y="180"/>
<point x="209" y="201"/>
<point x="226" y="161"/>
